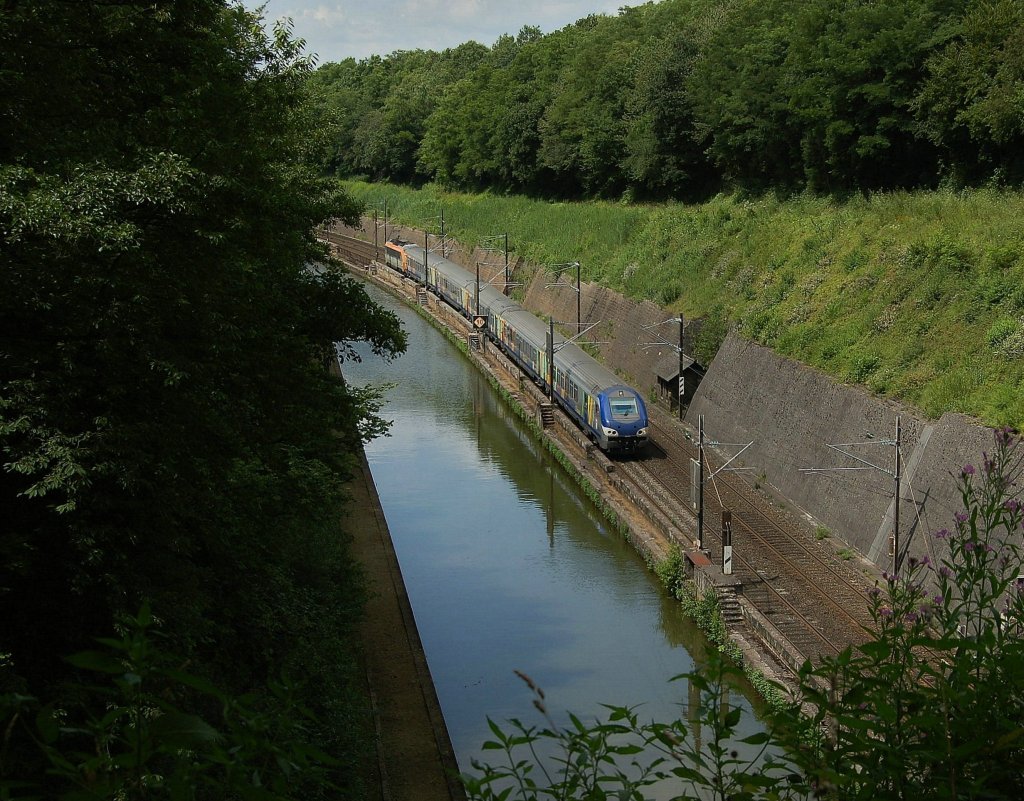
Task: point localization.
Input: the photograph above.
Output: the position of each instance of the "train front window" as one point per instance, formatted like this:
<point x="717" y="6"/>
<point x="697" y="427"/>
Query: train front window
<point x="624" y="408"/>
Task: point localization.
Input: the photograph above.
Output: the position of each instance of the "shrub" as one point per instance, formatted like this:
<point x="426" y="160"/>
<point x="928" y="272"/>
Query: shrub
<point x="999" y="331"/>
<point x="141" y="727"/>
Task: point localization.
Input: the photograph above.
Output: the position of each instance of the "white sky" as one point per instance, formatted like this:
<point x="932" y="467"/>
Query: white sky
<point x="338" y="29"/>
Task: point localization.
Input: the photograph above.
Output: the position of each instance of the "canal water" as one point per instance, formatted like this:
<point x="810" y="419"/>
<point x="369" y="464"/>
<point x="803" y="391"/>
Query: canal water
<point x="507" y="564"/>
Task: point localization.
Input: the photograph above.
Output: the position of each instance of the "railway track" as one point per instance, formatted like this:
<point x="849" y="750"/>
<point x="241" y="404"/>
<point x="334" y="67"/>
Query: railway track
<point x="352" y="251"/>
<point x="818" y="604"/>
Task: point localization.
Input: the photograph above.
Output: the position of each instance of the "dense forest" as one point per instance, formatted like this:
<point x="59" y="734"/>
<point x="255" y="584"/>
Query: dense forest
<point x="685" y="98"/>
<point x="176" y="600"/>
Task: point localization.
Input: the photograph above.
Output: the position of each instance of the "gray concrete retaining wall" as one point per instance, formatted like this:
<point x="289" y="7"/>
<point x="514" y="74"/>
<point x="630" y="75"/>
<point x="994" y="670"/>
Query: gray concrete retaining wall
<point x="792" y="412"/>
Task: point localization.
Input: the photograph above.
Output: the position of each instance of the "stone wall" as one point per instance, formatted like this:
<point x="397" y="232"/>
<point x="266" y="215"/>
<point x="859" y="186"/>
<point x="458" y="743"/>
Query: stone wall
<point x="792" y="413"/>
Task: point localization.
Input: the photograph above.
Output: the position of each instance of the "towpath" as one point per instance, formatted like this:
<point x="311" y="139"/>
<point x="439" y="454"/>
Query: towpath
<point x="415" y="761"/>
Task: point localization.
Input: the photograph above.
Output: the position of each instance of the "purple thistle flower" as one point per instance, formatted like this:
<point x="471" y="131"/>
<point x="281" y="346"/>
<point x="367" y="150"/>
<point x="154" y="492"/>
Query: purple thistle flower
<point x="968" y="470"/>
<point x="925" y="561"/>
<point x="961" y="517"/>
<point x="910" y="617"/>
<point x="1012" y="505"/>
<point x="941" y="534"/>
<point x="938" y="599"/>
<point x="885" y="611"/>
<point x="945" y="572"/>
<point x="1005" y="435"/>
<point x="968" y="546"/>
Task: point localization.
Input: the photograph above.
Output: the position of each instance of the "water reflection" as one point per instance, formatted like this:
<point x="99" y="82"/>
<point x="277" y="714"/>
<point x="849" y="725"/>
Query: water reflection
<point x="508" y="566"/>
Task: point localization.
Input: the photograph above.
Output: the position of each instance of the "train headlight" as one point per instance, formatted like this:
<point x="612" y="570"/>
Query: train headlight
<point x="642" y="432"/>
<point x="611" y="432"/>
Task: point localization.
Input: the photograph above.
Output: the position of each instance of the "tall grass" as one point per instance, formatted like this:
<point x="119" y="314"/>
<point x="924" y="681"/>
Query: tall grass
<point x="917" y="296"/>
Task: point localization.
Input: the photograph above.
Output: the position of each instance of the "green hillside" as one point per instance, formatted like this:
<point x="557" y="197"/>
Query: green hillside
<point x="918" y="296"/>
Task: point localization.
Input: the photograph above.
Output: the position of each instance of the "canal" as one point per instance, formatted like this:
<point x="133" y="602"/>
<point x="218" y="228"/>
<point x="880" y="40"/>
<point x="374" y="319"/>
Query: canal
<point x="507" y="564"/>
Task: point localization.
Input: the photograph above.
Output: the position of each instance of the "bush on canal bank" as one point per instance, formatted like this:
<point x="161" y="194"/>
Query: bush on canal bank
<point x="928" y="708"/>
<point x="703" y="609"/>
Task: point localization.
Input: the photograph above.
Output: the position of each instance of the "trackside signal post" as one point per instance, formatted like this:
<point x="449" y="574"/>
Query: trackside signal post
<point x="661" y="342"/>
<point x="697" y="482"/>
<point x="727" y="542"/>
<point x="700" y="481"/>
<point x="682" y="381"/>
<point x="426" y="258"/>
<point x="551" y="358"/>
<point x="376" y="225"/>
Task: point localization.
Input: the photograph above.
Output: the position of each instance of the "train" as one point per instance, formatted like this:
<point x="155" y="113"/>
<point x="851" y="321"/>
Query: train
<point x="612" y="414"/>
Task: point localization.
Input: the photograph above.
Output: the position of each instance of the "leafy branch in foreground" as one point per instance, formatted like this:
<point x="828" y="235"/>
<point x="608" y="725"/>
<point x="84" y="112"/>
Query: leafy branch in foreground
<point x="929" y="708"/>
<point x="621" y="757"/>
<point x="130" y="733"/>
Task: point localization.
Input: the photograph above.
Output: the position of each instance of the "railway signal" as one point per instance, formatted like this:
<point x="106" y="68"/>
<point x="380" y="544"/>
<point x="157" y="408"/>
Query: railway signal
<point x="662" y="342"/>
<point x="697" y="474"/>
<point x="727" y="542"/>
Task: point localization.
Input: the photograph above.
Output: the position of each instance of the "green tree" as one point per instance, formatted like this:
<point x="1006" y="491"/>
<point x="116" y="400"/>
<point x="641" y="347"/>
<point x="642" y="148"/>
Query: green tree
<point x="740" y="99"/>
<point x="167" y="427"/>
<point x="851" y="74"/>
<point x="127" y="735"/>
<point x="457" y="146"/>
<point x="971" y="102"/>
<point x="582" y="131"/>
<point x="530" y="83"/>
<point x="665" y="155"/>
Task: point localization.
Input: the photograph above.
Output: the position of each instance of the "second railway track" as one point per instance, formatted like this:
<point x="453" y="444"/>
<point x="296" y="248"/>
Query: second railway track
<point x="820" y="605"/>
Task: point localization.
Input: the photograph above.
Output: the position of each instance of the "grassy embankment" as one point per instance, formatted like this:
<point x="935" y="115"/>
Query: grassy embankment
<point x="917" y="296"/>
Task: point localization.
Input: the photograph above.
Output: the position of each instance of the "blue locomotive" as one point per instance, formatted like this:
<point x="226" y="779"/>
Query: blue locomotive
<point x="612" y="414"/>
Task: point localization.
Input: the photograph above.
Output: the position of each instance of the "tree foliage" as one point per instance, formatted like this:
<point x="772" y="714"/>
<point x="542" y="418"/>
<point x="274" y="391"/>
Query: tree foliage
<point x="683" y="97"/>
<point x="972" y="102"/>
<point x="167" y="428"/>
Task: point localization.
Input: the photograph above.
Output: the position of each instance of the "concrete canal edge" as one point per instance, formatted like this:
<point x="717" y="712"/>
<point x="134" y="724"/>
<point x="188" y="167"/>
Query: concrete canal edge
<point x="415" y="758"/>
